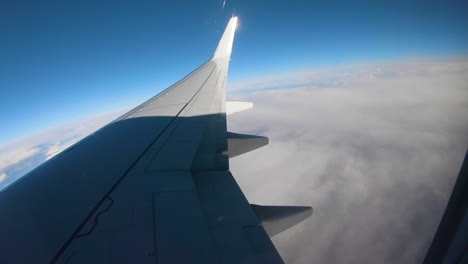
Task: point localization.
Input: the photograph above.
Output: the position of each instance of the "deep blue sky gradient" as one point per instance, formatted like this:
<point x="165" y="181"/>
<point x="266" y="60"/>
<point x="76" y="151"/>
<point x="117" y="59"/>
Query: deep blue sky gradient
<point x="62" y="60"/>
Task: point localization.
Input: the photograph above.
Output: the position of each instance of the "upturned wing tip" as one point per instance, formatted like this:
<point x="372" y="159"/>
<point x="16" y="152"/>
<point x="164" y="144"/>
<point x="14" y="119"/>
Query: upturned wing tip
<point x="224" y="49"/>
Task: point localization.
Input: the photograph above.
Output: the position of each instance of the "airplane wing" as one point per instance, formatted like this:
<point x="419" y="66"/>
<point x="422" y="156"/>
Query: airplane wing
<point x="153" y="186"/>
<point x="450" y="241"/>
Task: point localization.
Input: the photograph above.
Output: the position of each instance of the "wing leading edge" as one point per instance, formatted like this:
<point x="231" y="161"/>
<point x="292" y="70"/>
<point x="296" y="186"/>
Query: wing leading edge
<point x="152" y="186"/>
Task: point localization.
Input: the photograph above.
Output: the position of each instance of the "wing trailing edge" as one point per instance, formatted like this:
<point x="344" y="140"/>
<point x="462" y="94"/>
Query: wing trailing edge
<point x="239" y="144"/>
<point x="276" y="219"/>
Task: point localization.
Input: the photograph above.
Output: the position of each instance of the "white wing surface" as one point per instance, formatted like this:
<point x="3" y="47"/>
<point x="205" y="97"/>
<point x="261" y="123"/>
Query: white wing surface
<point x="153" y="186"/>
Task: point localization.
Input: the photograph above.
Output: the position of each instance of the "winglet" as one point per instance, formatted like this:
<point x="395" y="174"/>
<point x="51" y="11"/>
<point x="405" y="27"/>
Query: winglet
<point x="223" y="51"/>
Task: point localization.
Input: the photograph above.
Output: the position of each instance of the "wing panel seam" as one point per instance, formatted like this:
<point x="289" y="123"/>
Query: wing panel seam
<point x="88" y="217"/>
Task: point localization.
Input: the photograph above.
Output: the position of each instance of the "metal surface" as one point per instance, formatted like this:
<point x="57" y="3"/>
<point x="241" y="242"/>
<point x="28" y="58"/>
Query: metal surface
<point x="239" y="144"/>
<point x="153" y="186"/>
<point x="276" y="219"/>
<point x="450" y="242"/>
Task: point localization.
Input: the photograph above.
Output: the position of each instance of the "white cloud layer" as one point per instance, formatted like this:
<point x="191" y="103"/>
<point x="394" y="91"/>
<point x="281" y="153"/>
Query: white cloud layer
<point x="375" y="149"/>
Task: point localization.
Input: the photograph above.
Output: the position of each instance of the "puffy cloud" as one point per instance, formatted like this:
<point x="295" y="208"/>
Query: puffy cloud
<point x="24" y="154"/>
<point x="3" y="176"/>
<point x="59" y="147"/>
<point x="375" y="149"/>
<point x="16" y="155"/>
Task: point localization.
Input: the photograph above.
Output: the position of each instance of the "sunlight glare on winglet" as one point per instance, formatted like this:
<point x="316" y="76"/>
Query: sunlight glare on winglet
<point x="223" y="51"/>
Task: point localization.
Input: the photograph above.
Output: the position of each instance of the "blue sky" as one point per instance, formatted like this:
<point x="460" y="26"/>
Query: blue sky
<point x="63" y="60"/>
